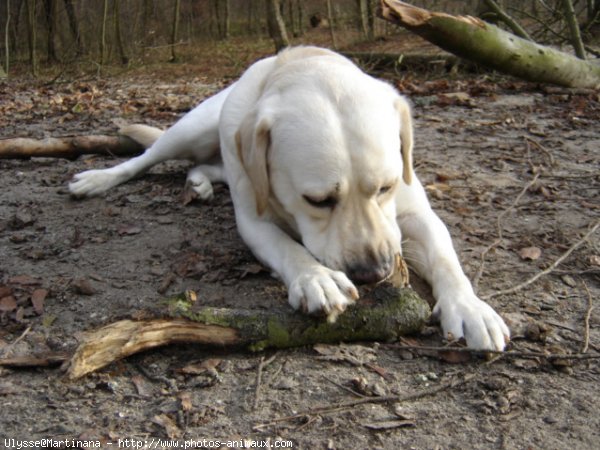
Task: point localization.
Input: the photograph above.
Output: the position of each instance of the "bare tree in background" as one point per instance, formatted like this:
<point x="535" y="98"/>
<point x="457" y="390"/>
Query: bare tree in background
<point x="103" y="51"/>
<point x="175" y="30"/>
<point x="117" y="21"/>
<point x="574" y="31"/>
<point x="221" y="9"/>
<point x="4" y="71"/>
<point x="74" y="26"/>
<point x="32" y="33"/>
<point x="50" y="15"/>
<point x="276" y="25"/>
<point x="331" y="18"/>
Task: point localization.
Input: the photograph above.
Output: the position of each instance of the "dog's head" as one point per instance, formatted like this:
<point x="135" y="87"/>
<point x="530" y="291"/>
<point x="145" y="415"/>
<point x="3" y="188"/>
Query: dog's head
<point x="329" y="162"/>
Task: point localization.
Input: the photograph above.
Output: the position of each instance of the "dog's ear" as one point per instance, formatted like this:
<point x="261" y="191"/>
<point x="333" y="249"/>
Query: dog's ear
<point x="406" y="139"/>
<point x="253" y="139"/>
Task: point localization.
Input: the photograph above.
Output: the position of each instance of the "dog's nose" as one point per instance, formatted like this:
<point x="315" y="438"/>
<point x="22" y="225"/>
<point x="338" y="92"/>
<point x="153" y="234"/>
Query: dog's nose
<point x="369" y="273"/>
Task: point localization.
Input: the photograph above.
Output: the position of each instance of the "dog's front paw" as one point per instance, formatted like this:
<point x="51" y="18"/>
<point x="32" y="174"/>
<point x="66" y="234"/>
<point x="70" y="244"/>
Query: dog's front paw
<point x="322" y="290"/>
<point x="92" y="182"/>
<point x="466" y="316"/>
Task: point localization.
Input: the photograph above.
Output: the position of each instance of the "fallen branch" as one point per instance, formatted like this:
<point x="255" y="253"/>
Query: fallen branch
<point x="488" y="45"/>
<point x="68" y="147"/>
<point x="383" y="313"/>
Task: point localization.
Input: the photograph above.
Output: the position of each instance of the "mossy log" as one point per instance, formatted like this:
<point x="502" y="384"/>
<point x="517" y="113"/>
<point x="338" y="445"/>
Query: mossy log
<point x="69" y="147"/>
<point x="488" y="45"/>
<point x="383" y="313"/>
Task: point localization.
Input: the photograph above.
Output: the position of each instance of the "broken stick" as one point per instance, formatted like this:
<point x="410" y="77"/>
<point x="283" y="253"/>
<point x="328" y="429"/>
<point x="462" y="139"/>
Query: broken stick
<point x="384" y="313"/>
<point x="68" y="147"/>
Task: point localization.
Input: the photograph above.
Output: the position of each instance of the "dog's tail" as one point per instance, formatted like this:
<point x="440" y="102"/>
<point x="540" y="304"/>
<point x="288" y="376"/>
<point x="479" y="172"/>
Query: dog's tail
<point x="143" y="134"/>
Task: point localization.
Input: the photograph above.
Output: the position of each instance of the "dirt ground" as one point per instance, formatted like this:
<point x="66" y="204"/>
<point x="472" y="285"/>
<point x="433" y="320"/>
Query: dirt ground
<point x="67" y="266"/>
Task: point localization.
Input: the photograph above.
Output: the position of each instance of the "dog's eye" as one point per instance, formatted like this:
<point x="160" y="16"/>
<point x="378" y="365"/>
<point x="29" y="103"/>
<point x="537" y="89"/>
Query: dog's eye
<point x="385" y="189"/>
<point x="327" y="202"/>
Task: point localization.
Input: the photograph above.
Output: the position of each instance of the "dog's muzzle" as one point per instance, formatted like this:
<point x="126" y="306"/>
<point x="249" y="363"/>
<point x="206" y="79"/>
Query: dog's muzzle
<point x="370" y="273"/>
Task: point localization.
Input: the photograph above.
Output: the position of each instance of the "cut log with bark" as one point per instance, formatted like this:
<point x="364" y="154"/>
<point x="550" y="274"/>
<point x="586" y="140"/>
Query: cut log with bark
<point x="488" y="45"/>
<point x="383" y="313"/>
<point x="68" y="147"/>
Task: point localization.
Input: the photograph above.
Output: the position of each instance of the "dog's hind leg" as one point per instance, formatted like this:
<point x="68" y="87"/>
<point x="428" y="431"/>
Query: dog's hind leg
<point x="195" y="136"/>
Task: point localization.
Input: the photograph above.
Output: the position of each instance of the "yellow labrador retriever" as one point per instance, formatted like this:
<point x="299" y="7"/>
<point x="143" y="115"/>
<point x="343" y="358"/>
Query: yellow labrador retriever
<point x="318" y="158"/>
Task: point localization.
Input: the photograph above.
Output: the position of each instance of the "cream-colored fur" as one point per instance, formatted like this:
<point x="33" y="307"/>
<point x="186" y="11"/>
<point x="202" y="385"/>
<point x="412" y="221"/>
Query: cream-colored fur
<point x="318" y="158"/>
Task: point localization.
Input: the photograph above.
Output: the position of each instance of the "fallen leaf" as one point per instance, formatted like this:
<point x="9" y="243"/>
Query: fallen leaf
<point x="173" y="432"/>
<point x="379" y="371"/>
<point x="595" y="260"/>
<point x="454" y="357"/>
<point x="8" y="304"/>
<point x="83" y="286"/>
<point x="24" y="280"/>
<point x="129" y="230"/>
<point x="186" y="401"/>
<point x="142" y="386"/>
<point x="38" y="297"/>
<point x="208" y="365"/>
<point x="530" y="253"/>
<point x="5" y="291"/>
<point x="354" y="354"/>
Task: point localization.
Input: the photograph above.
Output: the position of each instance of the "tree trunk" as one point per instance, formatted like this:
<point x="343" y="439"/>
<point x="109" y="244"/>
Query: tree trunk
<point x="32" y="33"/>
<point x="363" y="17"/>
<point x="120" y="47"/>
<point x="383" y="314"/>
<point x="331" y="18"/>
<point x="50" y="10"/>
<point x="276" y="25"/>
<point x="68" y="147"/>
<point x="488" y="45"/>
<point x="509" y="21"/>
<point x="175" y="30"/>
<point x="6" y="68"/>
<point x="574" y="32"/>
<point x="103" y="55"/>
<point x="74" y="26"/>
<point x="226" y="19"/>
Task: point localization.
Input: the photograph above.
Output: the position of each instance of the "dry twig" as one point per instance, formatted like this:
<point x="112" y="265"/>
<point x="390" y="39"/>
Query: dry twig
<point x="499" y="229"/>
<point x="586" y="320"/>
<point x="261" y="365"/>
<point x="548" y="270"/>
<point x="343" y="406"/>
<point x="508" y="354"/>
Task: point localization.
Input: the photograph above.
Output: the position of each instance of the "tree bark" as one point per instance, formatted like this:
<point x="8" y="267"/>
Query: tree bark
<point x="103" y="55"/>
<point x="276" y="25"/>
<point x="385" y="313"/>
<point x="509" y="21"/>
<point x="4" y="71"/>
<point x="120" y="47"/>
<point x="68" y="147"/>
<point x="50" y="10"/>
<point x="488" y="45"/>
<point x="574" y="31"/>
<point x="74" y="26"/>
<point x="175" y="30"/>
<point x="32" y="32"/>
<point x="330" y="17"/>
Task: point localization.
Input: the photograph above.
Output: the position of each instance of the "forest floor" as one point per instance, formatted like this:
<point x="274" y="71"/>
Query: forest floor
<point x="513" y="170"/>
